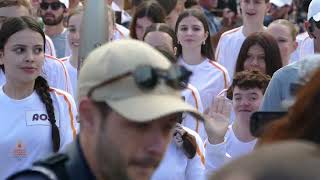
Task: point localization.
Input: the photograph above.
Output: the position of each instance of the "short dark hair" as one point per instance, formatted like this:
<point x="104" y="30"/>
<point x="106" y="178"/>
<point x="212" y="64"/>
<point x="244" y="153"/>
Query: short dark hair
<point x="150" y="9"/>
<point x="168" y="5"/>
<point x="249" y="80"/>
<point x="271" y="50"/>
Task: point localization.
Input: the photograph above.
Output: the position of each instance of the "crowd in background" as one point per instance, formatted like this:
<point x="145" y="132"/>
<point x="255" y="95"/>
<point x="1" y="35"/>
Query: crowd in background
<point x="233" y="57"/>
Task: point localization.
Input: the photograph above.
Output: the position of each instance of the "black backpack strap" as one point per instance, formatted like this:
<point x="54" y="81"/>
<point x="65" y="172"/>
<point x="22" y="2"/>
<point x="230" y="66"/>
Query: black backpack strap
<point x="53" y="167"/>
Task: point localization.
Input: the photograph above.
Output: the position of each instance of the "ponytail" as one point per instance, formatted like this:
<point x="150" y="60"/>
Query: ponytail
<point x="42" y="88"/>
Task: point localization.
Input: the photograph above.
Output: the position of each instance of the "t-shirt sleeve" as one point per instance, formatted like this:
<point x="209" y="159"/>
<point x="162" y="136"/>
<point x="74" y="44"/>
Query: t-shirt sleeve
<point x="216" y="156"/>
<point x="69" y="125"/>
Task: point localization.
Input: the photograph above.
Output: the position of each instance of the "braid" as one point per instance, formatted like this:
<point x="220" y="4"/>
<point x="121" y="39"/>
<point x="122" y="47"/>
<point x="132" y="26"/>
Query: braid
<point x="42" y="88"/>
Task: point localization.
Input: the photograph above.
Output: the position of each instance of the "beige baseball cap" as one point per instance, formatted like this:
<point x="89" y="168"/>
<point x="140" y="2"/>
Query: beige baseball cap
<point x="124" y="95"/>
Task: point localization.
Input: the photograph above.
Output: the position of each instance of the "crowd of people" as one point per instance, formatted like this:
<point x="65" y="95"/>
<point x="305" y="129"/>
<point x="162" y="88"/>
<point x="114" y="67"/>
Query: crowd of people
<point x="180" y="90"/>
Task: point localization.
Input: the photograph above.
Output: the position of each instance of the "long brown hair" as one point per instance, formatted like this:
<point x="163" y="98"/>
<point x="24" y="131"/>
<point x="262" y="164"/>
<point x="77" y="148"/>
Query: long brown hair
<point x="303" y="119"/>
<point x="271" y="50"/>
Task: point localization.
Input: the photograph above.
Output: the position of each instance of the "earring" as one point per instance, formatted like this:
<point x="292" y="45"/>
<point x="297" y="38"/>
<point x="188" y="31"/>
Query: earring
<point x="204" y="42"/>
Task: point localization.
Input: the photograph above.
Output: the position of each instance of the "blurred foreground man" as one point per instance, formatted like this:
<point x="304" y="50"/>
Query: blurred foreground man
<point x="129" y="103"/>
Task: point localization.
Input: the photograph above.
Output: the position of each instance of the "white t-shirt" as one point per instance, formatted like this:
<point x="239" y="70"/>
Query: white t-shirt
<point x="295" y="56"/>
<point x="26" y="133"/>
<point x="191" y="96"/>
<point x="50" y="50"/>
<point x="73" y="73"/>
<point x="306" y="48"/>
<point x="228" y="49"/>
<point x="209" y="77"/>
<point x="55" y="72"/>
<point x="218" y="154"/>
<point x="176" y="166"/>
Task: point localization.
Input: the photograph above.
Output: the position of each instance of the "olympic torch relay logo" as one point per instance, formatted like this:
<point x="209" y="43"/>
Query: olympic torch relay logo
<point x="20" y="151"/>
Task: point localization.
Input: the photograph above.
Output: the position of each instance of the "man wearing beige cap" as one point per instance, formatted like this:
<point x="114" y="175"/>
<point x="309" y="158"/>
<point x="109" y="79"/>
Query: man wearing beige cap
<point x="129" y="103"/>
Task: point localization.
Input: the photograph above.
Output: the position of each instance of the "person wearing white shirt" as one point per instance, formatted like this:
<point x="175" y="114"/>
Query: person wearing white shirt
<point x="184" y="158"/>
<point x="253" y="12"/>
<point x="226" y="141"/>
<point x="195" y="53"/>
<point x="39" y="119"/>
<point x="163" y="38"/>
<point x="53" y="69"/>
<point x="311" y="44"/>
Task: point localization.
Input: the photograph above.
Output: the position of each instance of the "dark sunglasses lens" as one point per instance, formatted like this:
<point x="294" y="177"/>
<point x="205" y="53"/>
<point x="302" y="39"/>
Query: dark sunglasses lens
<point x="55" y="5"/>
<point x="178" y="77"/>
<point x="44" y="6"/>
<point x="145" y="77"/>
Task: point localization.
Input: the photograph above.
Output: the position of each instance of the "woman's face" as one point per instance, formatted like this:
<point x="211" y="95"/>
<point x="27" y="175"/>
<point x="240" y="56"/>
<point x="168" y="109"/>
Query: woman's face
<point x="141" y="26"/>
<point x="284" y="39"/>
<point x="158" y="38"/>
<point x="23" y="56"/>
<point x="74" y="32"/>
<point x="255" y="59"/>
<point x="191" y="33"/>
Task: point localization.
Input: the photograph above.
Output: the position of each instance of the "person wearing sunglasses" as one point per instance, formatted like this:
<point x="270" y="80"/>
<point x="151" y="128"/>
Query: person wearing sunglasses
<point x="311" y="43"/>
<point x="52" y="13"/>
<point x="128" y="108"/>
<point x="53" y="69"/>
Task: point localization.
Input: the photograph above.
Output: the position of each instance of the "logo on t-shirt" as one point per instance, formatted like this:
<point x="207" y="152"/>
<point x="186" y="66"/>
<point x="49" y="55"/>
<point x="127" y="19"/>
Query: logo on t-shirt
<point x="34" y="118"/>
<point x="20" y="150"/>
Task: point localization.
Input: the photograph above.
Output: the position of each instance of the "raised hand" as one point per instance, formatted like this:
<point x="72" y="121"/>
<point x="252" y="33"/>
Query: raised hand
<point x="217" y="119"/>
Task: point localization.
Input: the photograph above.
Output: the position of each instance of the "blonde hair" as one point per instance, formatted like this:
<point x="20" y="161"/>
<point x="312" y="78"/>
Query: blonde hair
<point x="9" y="3"/>
<point x="292" y="28"/>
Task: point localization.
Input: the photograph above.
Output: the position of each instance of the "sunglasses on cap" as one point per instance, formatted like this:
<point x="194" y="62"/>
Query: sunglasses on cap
<point x="147" y="77"/>
<point x="54" y="5"/>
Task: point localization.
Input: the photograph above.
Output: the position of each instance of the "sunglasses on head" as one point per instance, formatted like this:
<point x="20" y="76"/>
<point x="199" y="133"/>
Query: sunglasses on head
<point x="147" y="77"/>
<point x="54" y="5"/>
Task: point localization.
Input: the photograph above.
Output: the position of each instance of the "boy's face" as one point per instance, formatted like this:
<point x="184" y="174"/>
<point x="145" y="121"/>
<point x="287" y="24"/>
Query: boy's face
<point x="245" y="102"/>
<point x="253" y="11"/>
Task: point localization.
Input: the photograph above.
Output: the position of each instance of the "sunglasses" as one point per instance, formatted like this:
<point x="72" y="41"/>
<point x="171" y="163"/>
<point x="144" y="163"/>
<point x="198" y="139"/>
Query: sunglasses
<point x="314" y="22"/>
<point x="54" y="5"/>
<point x="147" y="77"/>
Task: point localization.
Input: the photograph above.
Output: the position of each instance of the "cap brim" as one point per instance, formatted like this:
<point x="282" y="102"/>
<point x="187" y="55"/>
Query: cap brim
<point x="149" y="107"/>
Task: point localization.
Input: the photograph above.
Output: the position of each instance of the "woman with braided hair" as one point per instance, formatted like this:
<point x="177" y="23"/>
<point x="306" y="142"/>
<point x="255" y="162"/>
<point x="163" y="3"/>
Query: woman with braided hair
<point x="36" y="120"/>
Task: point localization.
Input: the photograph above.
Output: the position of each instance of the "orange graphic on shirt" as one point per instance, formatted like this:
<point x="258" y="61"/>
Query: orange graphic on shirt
<point x="20" y="150"/>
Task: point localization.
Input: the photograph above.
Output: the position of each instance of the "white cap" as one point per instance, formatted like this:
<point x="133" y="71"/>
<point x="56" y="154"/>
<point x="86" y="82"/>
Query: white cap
<point x="65" y="2"/>
<point x="314" y="10"/>
<point x="281" y="3"/>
